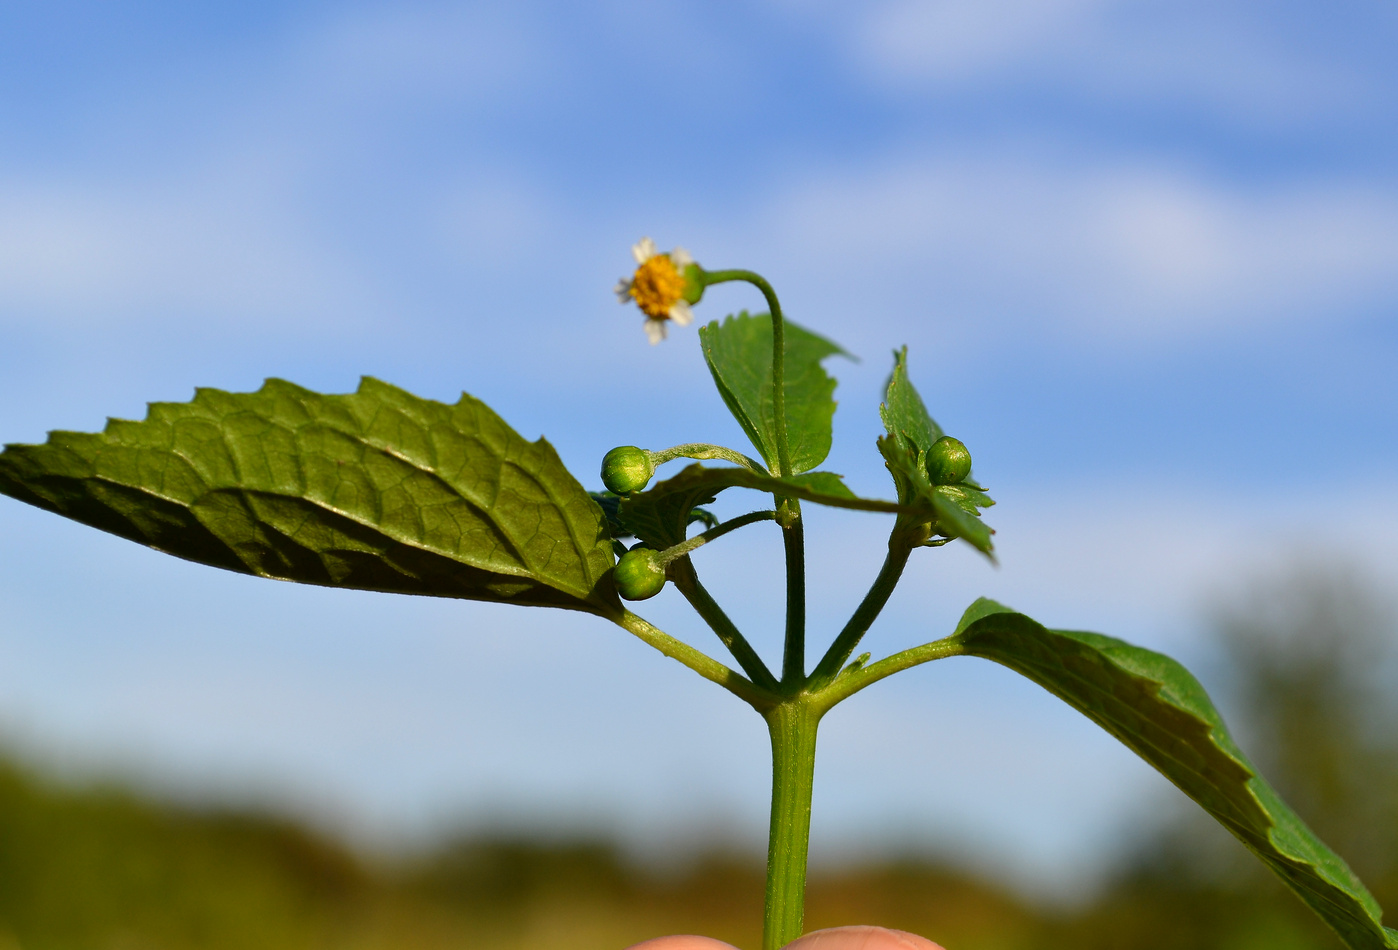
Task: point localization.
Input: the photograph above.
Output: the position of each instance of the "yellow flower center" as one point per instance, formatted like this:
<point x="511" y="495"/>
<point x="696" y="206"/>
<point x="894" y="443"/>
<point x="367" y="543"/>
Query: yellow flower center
<point x="657" y="286"/>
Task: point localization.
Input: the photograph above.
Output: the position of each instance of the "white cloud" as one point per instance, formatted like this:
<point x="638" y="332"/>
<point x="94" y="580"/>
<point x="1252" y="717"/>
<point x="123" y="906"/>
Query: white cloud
<point x="213" y="245"/>
<point x="954" y="40"/>
<point x="241" y="220"/>
<point x="1126" y="250"/>
<point x="1216" y="56"/>
<point x="483" y="52"/>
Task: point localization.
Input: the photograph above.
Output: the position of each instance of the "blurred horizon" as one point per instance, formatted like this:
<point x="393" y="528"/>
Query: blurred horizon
<point x="1305" y="657"/>
<point x="1145" y="257"/>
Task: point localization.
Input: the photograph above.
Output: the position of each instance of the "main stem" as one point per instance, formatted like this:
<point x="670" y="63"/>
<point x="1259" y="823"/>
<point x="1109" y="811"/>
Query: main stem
<point x="794" y="643"/>
<point x="792" y="725"/>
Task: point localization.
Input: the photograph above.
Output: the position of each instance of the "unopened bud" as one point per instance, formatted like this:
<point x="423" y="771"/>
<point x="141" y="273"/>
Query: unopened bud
<point x="626" y="468"/>
<point x="948" y="461"/>
<point x="638" y="575"/>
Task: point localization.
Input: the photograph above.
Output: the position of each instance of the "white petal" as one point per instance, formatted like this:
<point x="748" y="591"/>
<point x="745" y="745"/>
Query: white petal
<point x="681" y="314"/>
<point x="643" y="250"/>
<point x="655" y="330"/>
<point x="623" y="290"/>
<point x="681" y="258"/>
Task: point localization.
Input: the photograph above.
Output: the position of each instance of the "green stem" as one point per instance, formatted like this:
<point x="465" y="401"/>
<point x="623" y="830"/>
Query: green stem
<point x="698" y="661"/>
<point x="687" y="580"/>
<point x="792" y="725"/>
<point x="788" y="509"/>
<point x="794" y="542"/>
<point x="778" y="354"/>
<point x="851" y="682"/>
<point x="703" y="450"/>
<point x="864" y="616"/>
<point x="717" y="531"/>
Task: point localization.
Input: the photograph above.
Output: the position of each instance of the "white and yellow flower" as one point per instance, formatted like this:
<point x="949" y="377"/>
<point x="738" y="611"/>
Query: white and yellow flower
<point x="659" y="287"/>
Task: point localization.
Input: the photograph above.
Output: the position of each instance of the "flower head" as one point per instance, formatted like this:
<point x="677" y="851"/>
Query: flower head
<point x="663" y="286"/>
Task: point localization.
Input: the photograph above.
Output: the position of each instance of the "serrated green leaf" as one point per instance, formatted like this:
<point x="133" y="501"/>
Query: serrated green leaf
<point x="739" y="354"/>
<point x="911" y="432"/>
<point x="659" y="515"/>
<point x="1154" y="706"/>
<point x="377" y="490"/>
<point x="954" y="522"/>
<point x="903" y="413"/>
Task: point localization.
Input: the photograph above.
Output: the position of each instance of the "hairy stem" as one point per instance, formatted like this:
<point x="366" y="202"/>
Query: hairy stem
<point x="792" y="725"/>
<point x="702" y="451"/>
<point x="717" y="531"/>
<point x="687" y="580"/>
<point x="698" y="661"/>
<point x="847" y="684"/>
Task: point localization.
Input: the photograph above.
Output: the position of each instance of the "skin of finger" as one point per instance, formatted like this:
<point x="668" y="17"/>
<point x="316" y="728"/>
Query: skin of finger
<point x="861" y="938"/>
<point x="683" y="943"/>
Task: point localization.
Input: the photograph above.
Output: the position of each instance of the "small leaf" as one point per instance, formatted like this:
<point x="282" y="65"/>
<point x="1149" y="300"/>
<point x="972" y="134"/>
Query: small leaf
<point x="739" y="354"/>
<point x="955" y="509"/>
<point x="659" y="516"/>
<point x="378" y="490"/>
<point x="951" y="511"/>
<point x="903" y="413"/>
<point x="1154" y="706"/>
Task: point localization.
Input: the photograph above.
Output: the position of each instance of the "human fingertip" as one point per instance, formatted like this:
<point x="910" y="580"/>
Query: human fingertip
<point x="682" y="942"/>
<point x="861" y="938"/>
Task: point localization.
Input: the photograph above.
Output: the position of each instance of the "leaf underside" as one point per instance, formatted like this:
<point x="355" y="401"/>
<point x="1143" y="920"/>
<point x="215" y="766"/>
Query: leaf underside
<point x="659" y="516"/>
<point x="739" y="354"/>
<point x="1159" y="710"/>
<point x="375" y="490"/>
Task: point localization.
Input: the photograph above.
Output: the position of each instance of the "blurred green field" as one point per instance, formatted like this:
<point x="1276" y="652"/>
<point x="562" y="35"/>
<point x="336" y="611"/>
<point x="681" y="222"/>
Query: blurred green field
<point x="102" y="869"/>
<point x="99" y="868"/>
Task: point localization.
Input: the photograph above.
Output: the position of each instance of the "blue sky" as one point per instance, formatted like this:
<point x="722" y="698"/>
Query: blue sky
<point x="1145" y="257"/>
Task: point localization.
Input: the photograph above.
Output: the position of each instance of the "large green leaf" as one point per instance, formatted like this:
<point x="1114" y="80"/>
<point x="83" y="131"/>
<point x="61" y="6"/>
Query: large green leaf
<point x="377" y="490"/>
<point x="660" y="515"/>
<point x="1161" y="713"/>
<point x="739" y="354"/>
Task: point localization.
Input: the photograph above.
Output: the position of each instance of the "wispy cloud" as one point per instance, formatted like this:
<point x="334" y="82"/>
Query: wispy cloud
<point x="488" y="53"/>
<point x="1218" y="56"/>
<point x="1128" y="249"/>
<point x="83" y="252"/>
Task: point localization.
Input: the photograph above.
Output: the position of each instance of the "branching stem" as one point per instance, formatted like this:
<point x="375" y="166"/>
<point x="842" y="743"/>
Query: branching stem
<point x="852" y="681"/>
<point x="718" y="531"/>
<point x="864" y="616"/>
<point x="698" y="661"/>
<point x="687" y="580"/>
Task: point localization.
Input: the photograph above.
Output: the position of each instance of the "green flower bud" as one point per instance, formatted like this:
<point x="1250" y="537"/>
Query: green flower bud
<point x="626" y="469"/>
<point x="948" y="461"/>
<point x="637" y="575"/>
